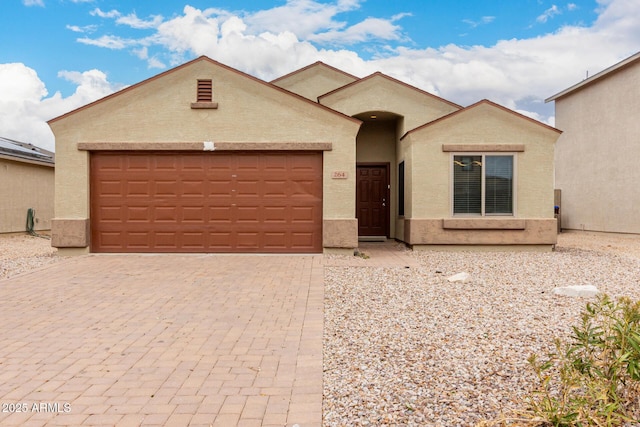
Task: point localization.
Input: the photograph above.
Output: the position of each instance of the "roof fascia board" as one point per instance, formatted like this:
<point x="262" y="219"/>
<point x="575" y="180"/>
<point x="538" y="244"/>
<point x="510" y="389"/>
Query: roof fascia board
<point x="310" y="66"/>
<point x="393" y="80"/>
<point x="472" y="106"/>
<point x="26" y="160"/>
<point x="219" y="64"/>
<point x="588" y="81"/>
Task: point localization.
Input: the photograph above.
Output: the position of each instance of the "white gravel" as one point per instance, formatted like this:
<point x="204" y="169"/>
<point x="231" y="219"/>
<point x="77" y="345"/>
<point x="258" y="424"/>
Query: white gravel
<point x="406" y="347"/>
<point x="23" y="253"/>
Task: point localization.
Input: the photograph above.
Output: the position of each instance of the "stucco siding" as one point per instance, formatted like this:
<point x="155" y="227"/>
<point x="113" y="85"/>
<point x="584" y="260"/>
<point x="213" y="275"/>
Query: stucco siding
<point x="484" y="127"/>
<point x="313" y="82"/>
<point x="159" y="111"/>
<point x="596" y="156"/>
<point x="378" y="93"/>
<point x="25" y="186"/>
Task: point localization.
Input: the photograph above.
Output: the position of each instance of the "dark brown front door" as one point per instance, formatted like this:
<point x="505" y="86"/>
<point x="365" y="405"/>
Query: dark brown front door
<point x="372" y="200"/>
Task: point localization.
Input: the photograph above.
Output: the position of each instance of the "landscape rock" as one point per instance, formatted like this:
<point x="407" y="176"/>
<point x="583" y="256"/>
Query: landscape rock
<point x="459" y="278"/>
<point x="576" y="291"/>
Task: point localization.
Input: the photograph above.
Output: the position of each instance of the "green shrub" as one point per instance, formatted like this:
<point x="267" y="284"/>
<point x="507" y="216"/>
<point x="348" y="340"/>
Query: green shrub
<point x="595" y="378"/>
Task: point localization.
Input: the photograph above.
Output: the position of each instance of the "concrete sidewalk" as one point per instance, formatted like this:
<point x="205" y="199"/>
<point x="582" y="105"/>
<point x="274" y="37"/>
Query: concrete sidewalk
<point x="164" y="340"/>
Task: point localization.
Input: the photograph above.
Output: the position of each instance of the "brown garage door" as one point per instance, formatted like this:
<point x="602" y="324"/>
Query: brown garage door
<point x="206" y="202"/>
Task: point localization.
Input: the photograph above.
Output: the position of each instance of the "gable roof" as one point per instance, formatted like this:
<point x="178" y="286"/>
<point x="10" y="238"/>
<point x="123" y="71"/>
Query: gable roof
<point x="477" y="104"/>
<point x="596" y="77"/>
<point x="187" y="64"/>
<point x="391" y="79"/>
<point x="25" y="152"/>
<point x="314" y="65"/>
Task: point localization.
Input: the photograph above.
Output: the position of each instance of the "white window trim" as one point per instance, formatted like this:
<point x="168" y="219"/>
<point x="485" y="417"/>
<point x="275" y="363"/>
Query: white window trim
<point x="482" y="189"/>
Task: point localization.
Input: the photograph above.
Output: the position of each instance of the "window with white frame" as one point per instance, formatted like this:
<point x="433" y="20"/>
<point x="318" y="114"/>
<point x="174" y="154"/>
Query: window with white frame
<point x="483" y="184"/>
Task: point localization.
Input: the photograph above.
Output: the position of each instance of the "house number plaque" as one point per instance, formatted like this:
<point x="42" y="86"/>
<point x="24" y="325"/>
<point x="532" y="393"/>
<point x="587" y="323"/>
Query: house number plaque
<point x="339" y="175"/>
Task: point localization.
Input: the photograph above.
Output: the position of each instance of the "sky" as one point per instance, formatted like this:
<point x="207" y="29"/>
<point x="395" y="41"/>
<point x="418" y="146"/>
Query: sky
<point x="57" y="55"/>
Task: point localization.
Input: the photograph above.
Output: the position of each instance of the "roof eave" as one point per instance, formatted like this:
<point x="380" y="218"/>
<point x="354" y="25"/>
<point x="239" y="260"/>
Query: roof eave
<point x="186" y="64"/>
<point x="588" y="81"/>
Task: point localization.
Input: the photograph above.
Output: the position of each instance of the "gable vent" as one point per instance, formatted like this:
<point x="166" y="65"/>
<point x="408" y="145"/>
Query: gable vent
<point x="204" y="95"/>
<point x="205" y="91"/>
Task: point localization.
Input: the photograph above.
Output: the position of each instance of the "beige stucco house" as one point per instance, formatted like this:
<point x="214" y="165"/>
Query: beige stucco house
<point x="204" y="158"/>
<point x="26" y="182"/>
<point x="597" y="154"/>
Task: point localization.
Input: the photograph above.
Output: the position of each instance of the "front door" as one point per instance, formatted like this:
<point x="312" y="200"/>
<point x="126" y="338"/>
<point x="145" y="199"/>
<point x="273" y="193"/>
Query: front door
<point x="372" y="199"/>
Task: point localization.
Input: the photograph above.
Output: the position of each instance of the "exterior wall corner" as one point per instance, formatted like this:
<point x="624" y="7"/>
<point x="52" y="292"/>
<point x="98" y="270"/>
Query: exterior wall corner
<point x="70" y="232"/>
<point x="340" y="233"/>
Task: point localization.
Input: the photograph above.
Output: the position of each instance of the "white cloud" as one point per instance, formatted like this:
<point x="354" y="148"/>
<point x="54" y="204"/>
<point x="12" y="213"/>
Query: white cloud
<point x="109" y="42"/>
<point x="369" y="29"/>
<point x="133" y="21"/>
<point x="156" y="63"/>
<point x="484" y="20"/>
<point x="25" y="106"/>
<point x="84" y="29"/>
<point x="33" y="3"/>
<point x="549" y="13"/>
<point x="111" y="14"/>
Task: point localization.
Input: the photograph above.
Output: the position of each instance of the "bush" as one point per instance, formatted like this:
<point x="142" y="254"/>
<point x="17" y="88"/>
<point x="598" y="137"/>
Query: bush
<point x="595" y="378"/>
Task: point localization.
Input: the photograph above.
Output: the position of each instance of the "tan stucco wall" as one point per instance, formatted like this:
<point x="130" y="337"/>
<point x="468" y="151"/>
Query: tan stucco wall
<point x="481" y="126"/>
<point x="314" y="81"/>
<point x="378" y="93"/>
<point x="597" y="154"/>
<point x="159" y="110"/>
<point x="24" y="186"/>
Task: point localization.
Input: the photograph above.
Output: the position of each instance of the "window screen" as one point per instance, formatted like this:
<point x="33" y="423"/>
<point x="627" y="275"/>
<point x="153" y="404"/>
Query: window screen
<point x="483" y="185"/>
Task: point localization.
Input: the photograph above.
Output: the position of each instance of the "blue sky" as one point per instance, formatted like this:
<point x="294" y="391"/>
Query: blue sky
<point x="57" y="55"/>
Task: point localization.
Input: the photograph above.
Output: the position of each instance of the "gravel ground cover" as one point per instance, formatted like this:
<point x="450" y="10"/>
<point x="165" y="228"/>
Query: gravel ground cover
<point x="23" y="253"/>
<point x="406" y="347"/>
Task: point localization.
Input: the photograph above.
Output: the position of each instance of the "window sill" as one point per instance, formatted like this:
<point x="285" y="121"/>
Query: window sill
<point x="484" y="224"/>
<point x="204" y="105"/>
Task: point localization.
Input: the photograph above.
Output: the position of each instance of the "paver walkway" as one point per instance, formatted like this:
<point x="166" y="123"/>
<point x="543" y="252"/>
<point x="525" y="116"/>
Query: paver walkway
<point x="163" y="340"/>
<point x="377" y="254"/>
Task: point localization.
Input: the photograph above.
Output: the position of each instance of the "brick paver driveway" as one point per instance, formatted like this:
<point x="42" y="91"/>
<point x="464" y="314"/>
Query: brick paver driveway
<point x="163" y="340"/>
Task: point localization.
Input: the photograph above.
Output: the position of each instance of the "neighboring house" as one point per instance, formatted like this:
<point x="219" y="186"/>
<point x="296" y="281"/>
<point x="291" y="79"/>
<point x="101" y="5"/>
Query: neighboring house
<point x="204" y="158"/>
<point x="26" y="182"/>
<point x="597" y="155"/>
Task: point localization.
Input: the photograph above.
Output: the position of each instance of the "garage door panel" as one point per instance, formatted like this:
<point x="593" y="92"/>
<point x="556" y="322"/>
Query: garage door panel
<point x="165" y="214"/>
<point x="193" y="214"/>
<point x="192" y="188"/>
<point x="163" y="164"/>
<point x="248" y="188"/>
<point x="111" y="214"/>
<point x="138" y="188"/>
<point x="302" y="240"/>
<point x="138" y="239"/>
<point x="166" y="188"/>
<point x="108" y="188"/>
<point x="248" y="240"/>
<point x="275" y="214"/>
<point x="138" y="164"/>
<point x="213" y="202"/>
<point x="138" y="214"/>
<point x="220" y="214"/>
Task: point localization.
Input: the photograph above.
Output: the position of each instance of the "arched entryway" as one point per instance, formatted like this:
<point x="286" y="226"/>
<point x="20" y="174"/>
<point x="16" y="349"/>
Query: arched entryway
<point x="376" y="174"/>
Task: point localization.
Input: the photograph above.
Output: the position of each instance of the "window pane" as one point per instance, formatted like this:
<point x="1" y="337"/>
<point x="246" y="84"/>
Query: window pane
<point x="467" y="184"/>
<point x="498" y="185"/>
